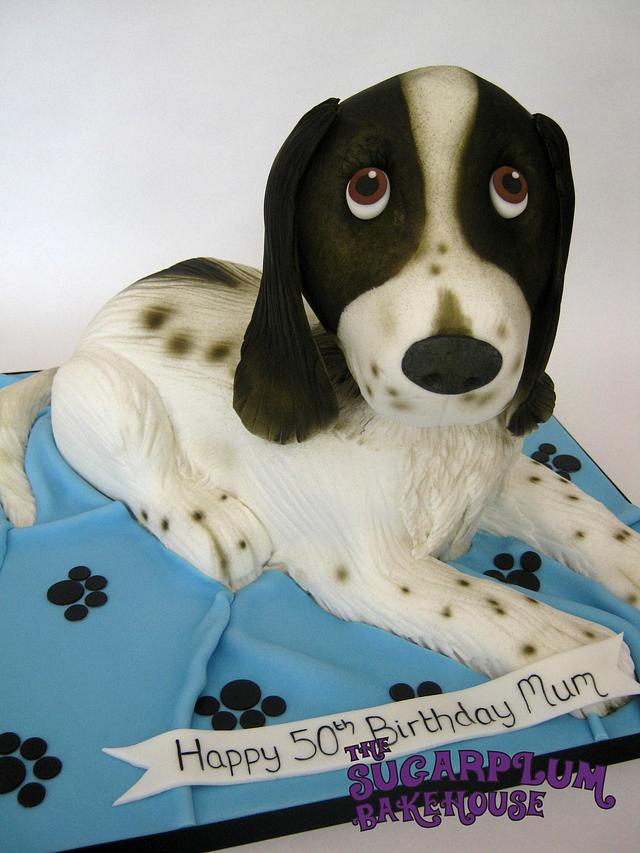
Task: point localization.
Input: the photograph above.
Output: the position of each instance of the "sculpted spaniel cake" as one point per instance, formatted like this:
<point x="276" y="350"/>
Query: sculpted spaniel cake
<point x="365" y="447"/>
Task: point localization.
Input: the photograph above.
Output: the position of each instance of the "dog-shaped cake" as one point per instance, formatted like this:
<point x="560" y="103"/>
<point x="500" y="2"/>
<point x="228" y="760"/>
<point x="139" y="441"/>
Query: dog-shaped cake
<point x="427" y="222"/>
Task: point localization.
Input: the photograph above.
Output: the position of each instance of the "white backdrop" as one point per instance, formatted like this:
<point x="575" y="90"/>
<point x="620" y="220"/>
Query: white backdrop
<point x="134" y="134"/>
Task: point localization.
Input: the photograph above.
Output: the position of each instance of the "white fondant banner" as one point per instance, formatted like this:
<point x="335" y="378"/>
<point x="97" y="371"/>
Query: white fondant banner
<point x="558" y="685"/>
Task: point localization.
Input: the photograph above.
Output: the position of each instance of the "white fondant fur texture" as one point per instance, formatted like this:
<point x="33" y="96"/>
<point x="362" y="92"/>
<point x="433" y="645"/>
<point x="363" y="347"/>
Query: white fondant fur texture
<point x="361" y="513"/>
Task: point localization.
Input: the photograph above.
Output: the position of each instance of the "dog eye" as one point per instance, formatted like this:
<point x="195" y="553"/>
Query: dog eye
<point x="509" y="192"/>
<point x="368" y="193"/>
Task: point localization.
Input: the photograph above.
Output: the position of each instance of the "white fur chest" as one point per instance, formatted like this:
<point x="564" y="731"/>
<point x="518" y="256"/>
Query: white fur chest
<point x="449" y="480"/>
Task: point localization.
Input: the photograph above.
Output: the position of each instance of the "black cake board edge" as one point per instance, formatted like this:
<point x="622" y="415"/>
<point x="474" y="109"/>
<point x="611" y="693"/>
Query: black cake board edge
<point x="296" y="819"/>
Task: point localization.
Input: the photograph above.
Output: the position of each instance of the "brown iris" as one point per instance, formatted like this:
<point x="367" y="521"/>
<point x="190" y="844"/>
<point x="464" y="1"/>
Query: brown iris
<point x="509" y="184"/>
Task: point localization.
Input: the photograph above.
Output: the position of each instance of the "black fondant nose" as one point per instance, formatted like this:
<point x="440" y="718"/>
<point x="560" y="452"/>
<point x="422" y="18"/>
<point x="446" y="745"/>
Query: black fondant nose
<point x="451" y="364"/>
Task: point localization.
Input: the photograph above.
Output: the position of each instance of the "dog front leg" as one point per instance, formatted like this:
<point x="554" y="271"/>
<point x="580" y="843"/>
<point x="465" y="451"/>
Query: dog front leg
<point x="552" y="515"/>
<point x="490" y="627"/>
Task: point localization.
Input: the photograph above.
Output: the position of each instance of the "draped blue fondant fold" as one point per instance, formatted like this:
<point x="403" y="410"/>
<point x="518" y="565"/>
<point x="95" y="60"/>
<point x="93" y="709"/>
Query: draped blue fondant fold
<point x="136" y="665"/>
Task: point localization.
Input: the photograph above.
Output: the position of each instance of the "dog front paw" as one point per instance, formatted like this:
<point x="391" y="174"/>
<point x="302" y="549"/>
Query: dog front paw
<point x="212" y="530"/>
<point x="564" y="632"/>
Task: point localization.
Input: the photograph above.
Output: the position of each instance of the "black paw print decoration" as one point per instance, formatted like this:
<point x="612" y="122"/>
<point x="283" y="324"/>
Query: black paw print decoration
<point x="244" y="696"/>
<point x="69" y="592"/>
<point x="563" y="463"/>
<point x="525" y="576"/>
<point x="16" y="757"/>
<point x="401" y="691"/>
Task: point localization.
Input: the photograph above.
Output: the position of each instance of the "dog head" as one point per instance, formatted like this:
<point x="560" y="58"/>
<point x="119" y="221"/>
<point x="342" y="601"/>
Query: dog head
<point x="427" y="222"/>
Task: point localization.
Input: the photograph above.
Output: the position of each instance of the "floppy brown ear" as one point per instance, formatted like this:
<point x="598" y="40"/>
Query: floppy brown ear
<point x="281" y="390"/>
<point x="536" y="395"/>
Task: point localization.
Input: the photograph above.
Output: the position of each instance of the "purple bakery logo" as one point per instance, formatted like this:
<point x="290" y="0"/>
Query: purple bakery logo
<point x="379" y="789"/>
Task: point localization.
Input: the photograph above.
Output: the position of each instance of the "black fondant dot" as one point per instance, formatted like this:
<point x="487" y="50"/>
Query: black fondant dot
<point x="530" y="561"/>
<point x="12" y="773"/>
<point x="429" y="688"/>
<point x="96" y="599"/>
<point x="567" y="463"/>
<point x="75" y="613"/>
<point x="366" y="185"/>
<point x="31" y="795"/>
<point x="33" y="748"/>
<point x="564" y="474"/>
<point x="207" y="705"/>
<point x="512" y="185"/>
<point x="65" y="592"/>
<point x="79" y="573"/>
<point x="503" y="561"/>
<point x="223" y="721"/>
<point x="96" y="582"/>
<point x="401" y="691"/>
<point x="524" y="579"/>
<point x="47" y="767"/>
<point x="240" y="694"/>
<point x="9" y="742"/>
<point x="540" y="457"/>
<point x="494" y="573"/>
<point x="547" y="448"/>
<point x="273" y="706"/>
<point x="252" y="719"/>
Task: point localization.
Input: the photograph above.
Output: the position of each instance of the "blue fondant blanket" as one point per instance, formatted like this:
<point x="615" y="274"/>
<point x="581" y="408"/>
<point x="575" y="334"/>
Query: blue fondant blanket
<point x="107" y="639"/>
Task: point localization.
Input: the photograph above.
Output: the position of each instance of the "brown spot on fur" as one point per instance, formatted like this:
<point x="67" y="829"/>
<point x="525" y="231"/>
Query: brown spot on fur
<point x="400" y="406"/>
<point x="450" y="318"/>
<point x="573" y="497"/>
<point x="392" y="392"/>
<point x="242" y="544"/>
<point x="405" y="590"/>
<point x="464" y="582"/>
<point x="388" y="323"/>
<point x="179" y="344"/>
<point x="517" y="364"/>
<point x="145" y="515"/>
<point x="621" y="535"/>
<point x="493" y="601"/>
<point x="197" y="515"/>
<point x="216" y="352"/>
<point x="223" y="497"/>
<point x="155" y="317"/>
<point x="528" y="650"/>
<point x="579" y="534"/>
<point x="164" y="524"/>
<point x="435" y="269"/>
<point x="632" y="599"/>
<point x="499" y="611"/>
<point x="501" y="331"/>
<point x="590" y="635"/>
<point x="375" y="370"/>
<point x="443" y="248"/>
<point x="478" y="398"/>
<point x="485" y="397"/>
<point x="446" y="612"/>
<point x="341" y="574"/>
<point x="534" y="479"/>
<point x="367" y="388"/>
